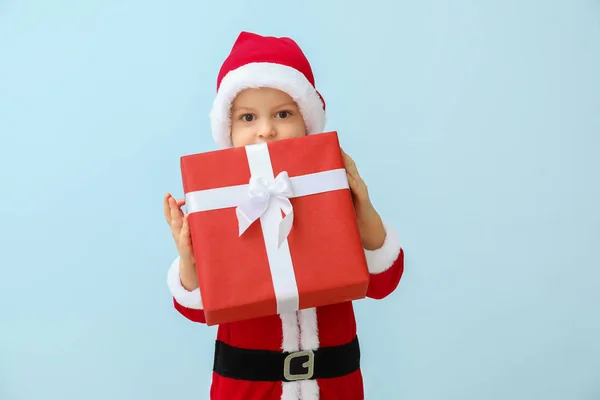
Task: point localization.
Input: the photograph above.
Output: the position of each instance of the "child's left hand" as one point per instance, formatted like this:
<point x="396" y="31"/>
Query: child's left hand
<point x="370" y="224"/>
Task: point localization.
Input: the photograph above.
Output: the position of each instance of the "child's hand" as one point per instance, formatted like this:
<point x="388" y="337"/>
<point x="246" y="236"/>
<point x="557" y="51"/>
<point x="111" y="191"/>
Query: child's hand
<point x="370" y="224"/>
<point x="180" y="230"/>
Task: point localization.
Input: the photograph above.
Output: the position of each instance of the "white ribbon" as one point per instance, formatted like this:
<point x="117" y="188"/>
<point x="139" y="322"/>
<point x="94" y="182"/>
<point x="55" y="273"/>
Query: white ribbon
<point x="260" y="194"/>
<point x="263" y="198"/>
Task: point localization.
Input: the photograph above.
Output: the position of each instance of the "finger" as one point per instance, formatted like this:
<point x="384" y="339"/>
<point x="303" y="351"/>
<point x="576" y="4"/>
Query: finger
<point x="347" y="159"/>
<point x="184" y="237"/>
<point x="185" y="240"/>
<point x="352" y="183"/>
<point x="353" y="166"/>
<point x="167" y="208"/>
<point x="350" y="165"/>
<point x="180" y="202"/>
<point x="176" y="217"/>
<point x="176" y="213"/>
<point x="357" y="186"/>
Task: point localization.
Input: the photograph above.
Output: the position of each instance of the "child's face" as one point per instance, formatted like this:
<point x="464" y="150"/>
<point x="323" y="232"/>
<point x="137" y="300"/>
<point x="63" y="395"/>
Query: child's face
<point x="264" y="115"/>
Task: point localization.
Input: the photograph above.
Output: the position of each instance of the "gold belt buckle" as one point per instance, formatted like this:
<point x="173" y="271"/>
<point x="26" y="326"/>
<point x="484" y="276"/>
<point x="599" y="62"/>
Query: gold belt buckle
<point x="309" y="365"/>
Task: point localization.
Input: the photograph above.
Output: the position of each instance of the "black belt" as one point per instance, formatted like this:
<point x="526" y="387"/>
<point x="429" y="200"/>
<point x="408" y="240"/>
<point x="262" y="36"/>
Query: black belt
<point x="263" y="365"/>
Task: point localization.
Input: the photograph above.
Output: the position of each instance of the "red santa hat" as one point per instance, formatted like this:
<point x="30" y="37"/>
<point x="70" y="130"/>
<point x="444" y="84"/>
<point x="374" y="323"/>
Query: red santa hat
<point x="265" y="61"/>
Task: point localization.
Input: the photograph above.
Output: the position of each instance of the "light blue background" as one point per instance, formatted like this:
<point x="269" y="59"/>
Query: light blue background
<point x="475" y="124"/>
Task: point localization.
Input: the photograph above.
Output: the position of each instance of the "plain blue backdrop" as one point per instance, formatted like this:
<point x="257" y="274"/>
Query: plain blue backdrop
<point x="475" y="124"/>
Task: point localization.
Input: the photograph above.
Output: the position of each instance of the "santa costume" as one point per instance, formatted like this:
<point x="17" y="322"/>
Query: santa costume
<point x="312" y="354"/>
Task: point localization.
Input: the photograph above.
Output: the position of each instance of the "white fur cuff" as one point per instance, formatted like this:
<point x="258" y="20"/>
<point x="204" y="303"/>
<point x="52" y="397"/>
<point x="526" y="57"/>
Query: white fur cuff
<point x="184" y="297"/>
<point x="380" y="260"/>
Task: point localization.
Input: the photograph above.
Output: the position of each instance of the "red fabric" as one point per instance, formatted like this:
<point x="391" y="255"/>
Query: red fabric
<point x="336" y="325"/>
<point x="251" y="47"/>
<point x="333" y="271"/>
<point x="386" y="282"/>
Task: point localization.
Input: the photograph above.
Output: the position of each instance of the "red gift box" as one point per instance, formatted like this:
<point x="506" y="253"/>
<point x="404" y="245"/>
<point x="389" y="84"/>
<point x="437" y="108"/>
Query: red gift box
<point x="273" y="228"/>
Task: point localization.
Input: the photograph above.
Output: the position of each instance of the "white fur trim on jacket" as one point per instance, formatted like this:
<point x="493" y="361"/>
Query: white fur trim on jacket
<point x="309" y="331"/>
<point x="182" y="295"/>
<point x="290" y="390"/>
<point x="380" y="260"/>
<point x="271" y="75"/>
<point x="309" y="390"/>
<point x="300" y="332"/>
<point x="300" y="390"/>
<point x="290" y="330"/>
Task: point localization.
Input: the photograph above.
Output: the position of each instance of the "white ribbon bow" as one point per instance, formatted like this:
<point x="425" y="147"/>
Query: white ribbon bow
<point x="260" y="193"/>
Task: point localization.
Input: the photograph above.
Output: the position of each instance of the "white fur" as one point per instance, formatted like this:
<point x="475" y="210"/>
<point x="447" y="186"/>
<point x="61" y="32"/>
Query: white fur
<point x="300" y="332"/>
<point x="309" y="390"/>
<point x="290" y="391"/>
<point x="182" y="295"/>
<point x="291" y="332"/>
<point x="309" y="333"/>
<point x="271" y="75"/>
<point x="300" y="390"/>
<point x="380" y="260"/>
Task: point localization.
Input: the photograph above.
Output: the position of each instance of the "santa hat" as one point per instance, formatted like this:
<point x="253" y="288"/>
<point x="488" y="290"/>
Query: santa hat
<point x="265" y="61"/>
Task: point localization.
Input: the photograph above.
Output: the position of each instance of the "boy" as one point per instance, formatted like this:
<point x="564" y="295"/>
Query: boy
<point x="265" y="92"/>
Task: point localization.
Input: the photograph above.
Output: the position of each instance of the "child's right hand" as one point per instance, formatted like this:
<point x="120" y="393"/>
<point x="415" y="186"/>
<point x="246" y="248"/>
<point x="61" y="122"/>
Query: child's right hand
<point x="178" y="222"/>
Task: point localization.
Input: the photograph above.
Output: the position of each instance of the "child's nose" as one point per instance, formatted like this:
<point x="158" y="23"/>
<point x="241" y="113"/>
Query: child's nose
<point x="266" y="130"/>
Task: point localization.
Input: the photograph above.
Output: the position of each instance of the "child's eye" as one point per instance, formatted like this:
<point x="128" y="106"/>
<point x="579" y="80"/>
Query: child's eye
<point x="283" y="114"/>
<point x="247" y="117"/>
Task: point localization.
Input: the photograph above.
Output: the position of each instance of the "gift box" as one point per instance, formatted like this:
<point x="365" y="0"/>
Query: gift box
<point x="273" y="228"/>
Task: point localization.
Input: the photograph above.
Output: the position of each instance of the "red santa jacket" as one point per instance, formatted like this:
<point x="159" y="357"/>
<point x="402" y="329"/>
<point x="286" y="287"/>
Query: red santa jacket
<point x="309" y="329"/>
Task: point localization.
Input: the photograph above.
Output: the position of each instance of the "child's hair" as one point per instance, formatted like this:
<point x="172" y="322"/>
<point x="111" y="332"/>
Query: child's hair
<point x="265" y="61"/>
